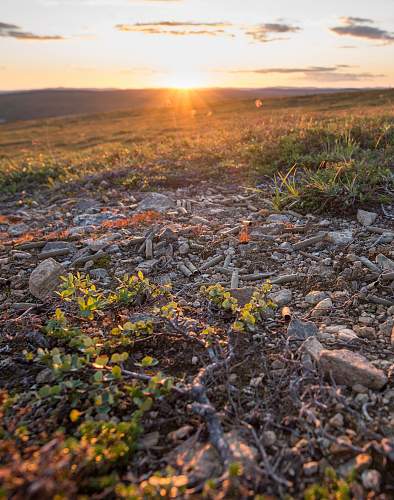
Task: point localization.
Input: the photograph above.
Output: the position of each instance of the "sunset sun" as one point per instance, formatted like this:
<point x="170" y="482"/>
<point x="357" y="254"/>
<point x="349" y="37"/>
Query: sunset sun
<point x="185" y="80"/>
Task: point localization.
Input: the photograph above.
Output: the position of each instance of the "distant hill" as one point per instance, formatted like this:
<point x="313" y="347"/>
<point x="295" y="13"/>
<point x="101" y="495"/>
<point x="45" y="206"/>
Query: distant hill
<point x="46" y="103"/>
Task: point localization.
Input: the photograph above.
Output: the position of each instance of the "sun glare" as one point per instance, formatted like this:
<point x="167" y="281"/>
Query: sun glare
<point x="184" y="81"/>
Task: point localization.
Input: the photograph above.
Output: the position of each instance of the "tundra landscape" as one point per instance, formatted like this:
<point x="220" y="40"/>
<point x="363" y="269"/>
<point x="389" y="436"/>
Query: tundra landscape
<point x="197" y="271"/>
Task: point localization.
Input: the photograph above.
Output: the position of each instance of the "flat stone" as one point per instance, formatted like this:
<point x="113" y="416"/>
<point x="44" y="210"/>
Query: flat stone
<point x="85" y="220"/>
<point x="385" y="263"/>
<point x="366" y="218"/>
<point x="243" y="295"/>
<point x="155" y="201"/>
<point x="350" y="368"/>
<point x="282" y="297"/>
<point x="340" y="237"/>
<point x="199" y="461"/>
<point x="301" y="330"/>
<point x="366" y="332"/>
<point x="322" y="308"/>
<point x="346" y="335"/>
<point x="315" y="296"/>
<point x="196" y="219"/>
<point x="58" y="245"/>
<point x="313" y="347"/>
<point x="18" y="229"/>
<point x="45" y="278"/>
<point x="273" y="218"/>
<point x="99" y="273"/>
<point x="310" y="468"/>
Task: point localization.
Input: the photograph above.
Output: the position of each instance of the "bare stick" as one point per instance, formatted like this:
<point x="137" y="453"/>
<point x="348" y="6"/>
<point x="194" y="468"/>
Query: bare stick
<point x="309" y="241"/>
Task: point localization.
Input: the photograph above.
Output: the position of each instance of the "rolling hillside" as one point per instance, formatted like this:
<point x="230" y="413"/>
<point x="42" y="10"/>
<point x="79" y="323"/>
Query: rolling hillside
<point x="47" y="103"/>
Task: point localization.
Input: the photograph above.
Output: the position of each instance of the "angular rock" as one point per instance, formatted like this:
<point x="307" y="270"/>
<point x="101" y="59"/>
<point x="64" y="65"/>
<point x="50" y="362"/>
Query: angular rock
<point x="313" y="347"/>
<point x="301" y="330"/>
<point x="366" y="332"/>
<point x="45" y="278"/>
<point x="385" y="263"/>
<point x="282" y="297"/>
<point x="315" y="296"/>
<point x="199" y="220"/>
<point x="99" y="273"/>
<point x="243" y="295"/>
<point x="372" y="480"/>
<point x="58" y="245"/>
<point x="18" y="229"/>
<point x="340" y="237"/>
<point x="85" y="220"/>
<point x="155" y="201"/>
<point x="200" y="461"/>
<point x="278" y="218"/>
<point x="322" y="308"/>
<point x="366" y="218"/>
<point x="350" y="368"/>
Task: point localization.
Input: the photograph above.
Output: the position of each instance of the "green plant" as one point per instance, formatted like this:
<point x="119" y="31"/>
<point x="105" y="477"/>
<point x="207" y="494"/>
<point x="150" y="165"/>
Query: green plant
<point x="135" y="289"/>
<point x="80" y="289"/>
<point x="246" y="317"/>
<point x="332" y="487"/>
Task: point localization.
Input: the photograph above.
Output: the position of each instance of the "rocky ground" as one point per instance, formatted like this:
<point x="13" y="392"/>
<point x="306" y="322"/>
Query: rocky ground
<point x="311" y="387"/>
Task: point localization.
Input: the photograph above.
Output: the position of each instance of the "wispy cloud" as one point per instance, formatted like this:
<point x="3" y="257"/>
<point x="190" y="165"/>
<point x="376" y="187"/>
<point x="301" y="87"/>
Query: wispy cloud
<point x="14" y="31"/>
<point x="260" y="33"/>
<point x="359" y="27"/>
<point x="269" y="32"/>
<point x="177" y="28"/>
<point x="335" y="73"/>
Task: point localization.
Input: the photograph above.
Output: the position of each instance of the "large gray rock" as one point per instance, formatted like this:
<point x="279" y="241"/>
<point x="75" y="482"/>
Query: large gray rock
<point x="366" y="218"/>
<point x="58" y="245"/>
<point x="350" y="368"/>
<point x="301" y="330"/>
<point x="281" y="297"/>
<point x="155" y="201"/>
<point x="45" y="278"/>
<point x="340" y="237"/>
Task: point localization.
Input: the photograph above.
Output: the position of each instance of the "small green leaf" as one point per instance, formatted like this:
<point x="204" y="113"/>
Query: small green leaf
<point x="116" y="371"/>
<point x="101" y="360"/>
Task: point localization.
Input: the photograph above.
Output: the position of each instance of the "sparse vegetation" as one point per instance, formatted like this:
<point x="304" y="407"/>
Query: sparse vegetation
<point x="340" y="155"/>
<point x="180" y="353"/>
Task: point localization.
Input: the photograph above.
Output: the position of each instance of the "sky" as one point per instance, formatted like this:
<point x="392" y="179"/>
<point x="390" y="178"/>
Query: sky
<point x="193" y="43"/>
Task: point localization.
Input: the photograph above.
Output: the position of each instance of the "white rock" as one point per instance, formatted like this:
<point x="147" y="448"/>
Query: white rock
<point x="366" y="218"/>
<point x="371" y="480"/>
<point x="45" y="278"/>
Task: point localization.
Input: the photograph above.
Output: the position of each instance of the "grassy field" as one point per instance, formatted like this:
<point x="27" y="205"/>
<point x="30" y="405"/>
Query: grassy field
<point x="333" y="145"/>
